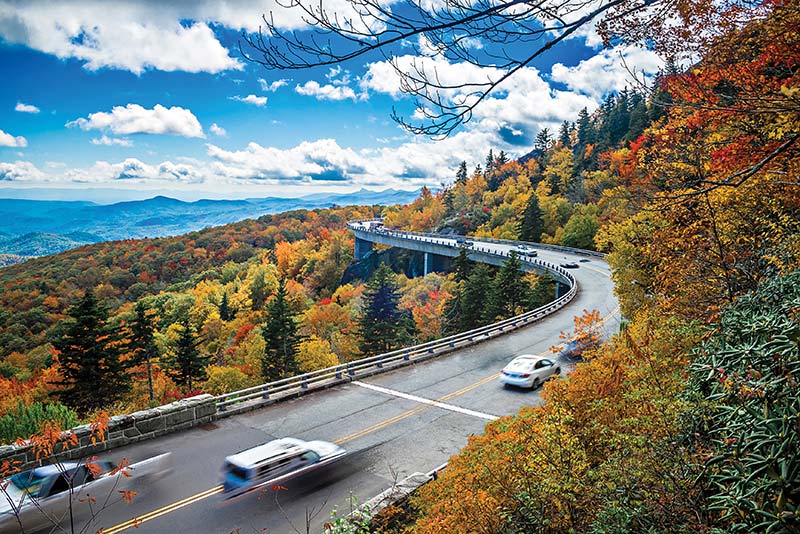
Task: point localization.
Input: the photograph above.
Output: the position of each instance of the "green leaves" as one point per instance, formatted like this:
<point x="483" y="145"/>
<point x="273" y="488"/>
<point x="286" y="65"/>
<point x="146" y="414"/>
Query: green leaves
<point x="24" y="421"/>
<point x="748" y="372"/>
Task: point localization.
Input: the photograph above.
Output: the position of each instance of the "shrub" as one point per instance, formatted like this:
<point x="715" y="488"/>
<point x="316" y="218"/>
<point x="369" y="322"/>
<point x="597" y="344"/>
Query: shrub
<point x="745" y="425"/>
<point x="24" y="421"/>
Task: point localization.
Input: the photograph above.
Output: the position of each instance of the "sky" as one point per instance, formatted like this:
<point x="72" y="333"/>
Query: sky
<point x="142" y="96"/>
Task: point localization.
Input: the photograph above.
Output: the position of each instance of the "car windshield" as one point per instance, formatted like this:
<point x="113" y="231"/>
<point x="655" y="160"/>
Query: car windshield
<point x="28" y="482"/>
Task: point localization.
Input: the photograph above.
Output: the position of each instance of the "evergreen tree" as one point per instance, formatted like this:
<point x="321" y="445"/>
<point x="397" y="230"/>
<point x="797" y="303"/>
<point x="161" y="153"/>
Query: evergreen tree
<point x="463" y="265"/>
<point x="615" y="124"/>
<point x="543" y="141"/>
<point x="280" y="336"/>
<point x="509" y="288"/>
<point x="461" y="174"/>
<point x="225" y="311"/>
<point x="187" y="365"/>
<point x="585" y="130"/>
<point x="543" y="292"/>
<point x="258" y="292"/>
<point x="452" y="318"/>
<point x="489" y="163"/>
<point x="142" y="344"/>
<point x="638" y="117"/>
<point x="476" y="309"/>
<point x="383" y="326"/>
<point x="532" y="224"/>
<point x="565" y="134"/>
<point x="91" y="371"/>
<point x="502" y="159"/>
<point x="447" y="200"/>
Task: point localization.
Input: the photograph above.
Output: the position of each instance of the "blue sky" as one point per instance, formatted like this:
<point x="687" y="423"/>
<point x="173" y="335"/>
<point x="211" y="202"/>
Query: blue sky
<point x="142" y="96"/>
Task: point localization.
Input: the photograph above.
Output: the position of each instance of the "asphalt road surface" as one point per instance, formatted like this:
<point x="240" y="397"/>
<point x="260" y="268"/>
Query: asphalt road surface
<point x="383" y="419"/>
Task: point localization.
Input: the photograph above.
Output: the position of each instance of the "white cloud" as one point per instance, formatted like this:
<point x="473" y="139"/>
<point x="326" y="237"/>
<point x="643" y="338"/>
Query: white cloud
<point x="110" y="141"/>
<point x="137" y="35"/>
<point x="128" y="35"/>
<point x="323" y="159"/>
<point x="133" y="119"/>
<point x="6" y="139"/>
<point x="514" y="112"/>
<point x="26" y="108"/>
<point x="20" y="171"/>
<point x="259" y="101"/>
<point x="180" y="172"/>
<point x="608" y="71"/>
<point x="273" y="86"/>
<point x="326" y="92"/>
<point x="218" y="130"/>
<point x="133" y="170"/>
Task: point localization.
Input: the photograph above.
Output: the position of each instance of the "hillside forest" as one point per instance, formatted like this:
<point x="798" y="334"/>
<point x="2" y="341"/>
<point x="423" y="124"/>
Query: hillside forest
<point x="686" y="420"/>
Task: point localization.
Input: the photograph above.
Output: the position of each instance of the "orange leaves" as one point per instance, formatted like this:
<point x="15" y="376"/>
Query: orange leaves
<point x="588" y="329"/>
<point x="99" y="427"/>
<point x="127" y="495"/>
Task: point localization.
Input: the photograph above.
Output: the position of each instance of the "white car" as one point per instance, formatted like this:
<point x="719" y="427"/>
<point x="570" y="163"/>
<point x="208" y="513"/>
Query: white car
<point x="276" y="461"/>
<point x="40" y="498"/>
<point x="528" y="371"/>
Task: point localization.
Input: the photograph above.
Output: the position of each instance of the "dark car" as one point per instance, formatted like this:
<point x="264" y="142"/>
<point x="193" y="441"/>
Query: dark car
<point x="569" y="265"/>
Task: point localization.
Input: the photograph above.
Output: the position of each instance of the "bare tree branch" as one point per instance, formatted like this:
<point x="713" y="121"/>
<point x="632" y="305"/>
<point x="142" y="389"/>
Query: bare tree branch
<point x="501" y="37"/>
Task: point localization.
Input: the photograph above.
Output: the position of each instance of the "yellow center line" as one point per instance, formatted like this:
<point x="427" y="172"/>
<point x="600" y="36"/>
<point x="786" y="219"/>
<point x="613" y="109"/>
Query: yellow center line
<point x="136" y="521"/>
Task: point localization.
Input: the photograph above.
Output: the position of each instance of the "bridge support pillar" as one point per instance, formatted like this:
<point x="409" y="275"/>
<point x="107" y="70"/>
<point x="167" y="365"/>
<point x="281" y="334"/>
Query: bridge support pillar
<point x="427" y="268"/>
<point x="362" y="248"/>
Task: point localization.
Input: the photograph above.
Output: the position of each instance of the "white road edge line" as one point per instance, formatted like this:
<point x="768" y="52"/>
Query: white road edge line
<point x="423" y="400"/>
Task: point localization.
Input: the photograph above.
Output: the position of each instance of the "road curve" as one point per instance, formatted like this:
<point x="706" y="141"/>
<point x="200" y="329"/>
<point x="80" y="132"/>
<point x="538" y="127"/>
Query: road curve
<point x="388" y="419"/>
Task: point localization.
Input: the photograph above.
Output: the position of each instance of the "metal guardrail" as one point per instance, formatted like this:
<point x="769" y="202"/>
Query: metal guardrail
<point x="346" y="372"/>
<point x="543" y="246"/>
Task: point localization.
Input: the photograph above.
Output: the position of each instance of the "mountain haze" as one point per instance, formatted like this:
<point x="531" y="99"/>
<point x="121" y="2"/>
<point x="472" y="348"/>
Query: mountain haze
<point x="41" y="227"/>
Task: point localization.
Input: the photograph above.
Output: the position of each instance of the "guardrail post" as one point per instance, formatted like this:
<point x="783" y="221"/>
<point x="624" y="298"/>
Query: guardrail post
<point x="452" y="343"/>
<point x="339" y="373"/>
<point x="222" y="408"/>
<point x="265" y="395"/>
<point x="406" y="355"/>
<point x="430" y="350"/>
<point x="379" y="364"/>
<point x="304" y="384"/>
<point x="350" y="370"/>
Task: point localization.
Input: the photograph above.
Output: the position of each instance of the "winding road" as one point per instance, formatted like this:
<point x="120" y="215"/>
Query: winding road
<point x="407" y="420"/>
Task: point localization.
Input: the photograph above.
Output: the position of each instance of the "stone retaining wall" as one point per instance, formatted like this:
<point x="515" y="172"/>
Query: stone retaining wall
<point x="124" y="430"/>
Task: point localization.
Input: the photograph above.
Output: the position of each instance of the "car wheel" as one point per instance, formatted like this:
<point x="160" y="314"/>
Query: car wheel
<point x="558" y="371"/>
<point x="535" y="383"/>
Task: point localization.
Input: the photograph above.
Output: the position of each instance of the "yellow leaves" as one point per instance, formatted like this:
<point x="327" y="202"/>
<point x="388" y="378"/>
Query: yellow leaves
<point x="314" y="353"/>
<point x="224" y="379"/>
<point x="790" y="92"/>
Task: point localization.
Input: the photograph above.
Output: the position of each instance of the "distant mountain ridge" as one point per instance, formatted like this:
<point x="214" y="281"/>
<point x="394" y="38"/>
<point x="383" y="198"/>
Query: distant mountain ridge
<point x="41" y="227"/>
